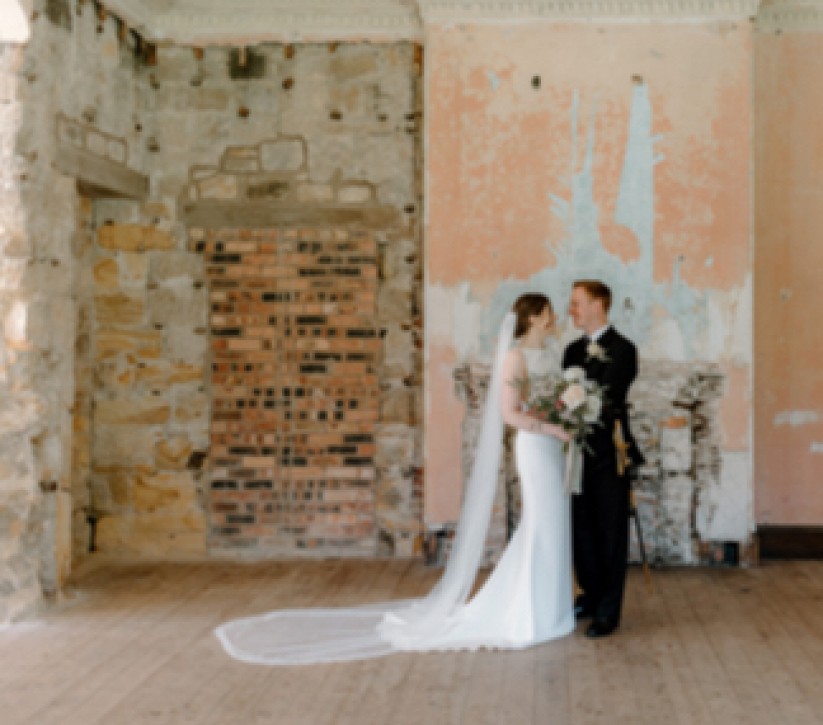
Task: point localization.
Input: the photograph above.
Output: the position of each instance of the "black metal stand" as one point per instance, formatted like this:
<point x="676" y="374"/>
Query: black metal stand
<point x="647" y="573"/>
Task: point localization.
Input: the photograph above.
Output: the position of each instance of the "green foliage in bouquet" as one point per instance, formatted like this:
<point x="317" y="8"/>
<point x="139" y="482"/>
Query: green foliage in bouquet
<point x="570" y="401"/>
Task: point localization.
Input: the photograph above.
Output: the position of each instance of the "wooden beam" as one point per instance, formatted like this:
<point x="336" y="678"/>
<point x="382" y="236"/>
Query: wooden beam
<point x="101" y="177"/>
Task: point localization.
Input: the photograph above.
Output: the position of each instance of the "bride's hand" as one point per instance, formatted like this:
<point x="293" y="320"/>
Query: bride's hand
<point x="558" y="432"/>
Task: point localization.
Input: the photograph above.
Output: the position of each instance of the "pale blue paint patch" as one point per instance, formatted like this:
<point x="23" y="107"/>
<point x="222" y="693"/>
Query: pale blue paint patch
<point x="494" y="80"/>
<point x="560" y="207"/>
<point x="581" y="253"/>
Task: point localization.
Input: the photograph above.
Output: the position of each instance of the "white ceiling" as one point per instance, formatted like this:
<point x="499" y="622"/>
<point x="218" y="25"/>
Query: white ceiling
<point x="207" y="22"/>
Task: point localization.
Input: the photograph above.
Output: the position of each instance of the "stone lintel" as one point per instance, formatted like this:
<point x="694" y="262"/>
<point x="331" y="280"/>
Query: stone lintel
<point x="216" y="214"/>
<point x="101" y="177"/>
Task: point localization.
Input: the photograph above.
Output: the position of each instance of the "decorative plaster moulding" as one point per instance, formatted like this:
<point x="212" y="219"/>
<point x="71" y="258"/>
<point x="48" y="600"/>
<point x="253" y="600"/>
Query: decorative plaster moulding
<point x="779" y="15"/>
<point x="455" y="11"/>
<point x="246" y="22"/>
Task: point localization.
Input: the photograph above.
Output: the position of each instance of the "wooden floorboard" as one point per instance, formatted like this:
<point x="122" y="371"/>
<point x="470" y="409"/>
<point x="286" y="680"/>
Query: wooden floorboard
<point x="657" y="662"/>
<point x="133" y="644"/>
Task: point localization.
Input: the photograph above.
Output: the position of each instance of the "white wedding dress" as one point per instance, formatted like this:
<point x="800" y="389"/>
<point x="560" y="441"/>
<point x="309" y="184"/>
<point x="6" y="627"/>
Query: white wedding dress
<point x="527" y="598"/>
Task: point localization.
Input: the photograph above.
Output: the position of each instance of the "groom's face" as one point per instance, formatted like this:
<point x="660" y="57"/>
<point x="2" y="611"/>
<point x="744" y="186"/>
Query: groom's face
<point x="585" y="311"/>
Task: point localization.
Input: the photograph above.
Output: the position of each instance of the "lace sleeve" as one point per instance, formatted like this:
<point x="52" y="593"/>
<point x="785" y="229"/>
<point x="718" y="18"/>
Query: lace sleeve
<point x="543" y="368"/>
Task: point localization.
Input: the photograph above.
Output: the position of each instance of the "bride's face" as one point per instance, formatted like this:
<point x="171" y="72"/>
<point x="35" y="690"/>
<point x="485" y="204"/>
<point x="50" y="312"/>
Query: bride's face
<point x="542" y="325"/>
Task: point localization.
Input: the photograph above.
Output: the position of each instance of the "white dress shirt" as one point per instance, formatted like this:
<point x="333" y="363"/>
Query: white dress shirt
<point x="595" y="336"/>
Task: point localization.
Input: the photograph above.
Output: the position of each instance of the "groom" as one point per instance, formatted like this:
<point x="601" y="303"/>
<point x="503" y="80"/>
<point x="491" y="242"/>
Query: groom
<point x="600" y="513"/>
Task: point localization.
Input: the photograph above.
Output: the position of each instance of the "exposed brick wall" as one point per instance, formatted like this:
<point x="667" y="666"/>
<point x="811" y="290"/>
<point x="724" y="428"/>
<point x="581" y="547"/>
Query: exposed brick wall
<point x="295" y="405"/>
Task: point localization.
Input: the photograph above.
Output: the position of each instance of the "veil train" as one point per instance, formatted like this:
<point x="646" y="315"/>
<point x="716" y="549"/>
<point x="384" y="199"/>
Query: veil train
<point x="309" y="636"/>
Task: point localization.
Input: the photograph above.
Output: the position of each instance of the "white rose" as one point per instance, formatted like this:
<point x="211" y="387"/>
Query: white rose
<point x="593" y="350"/>
<point x="574" y="374"/>
<point x="593" y="407"/>
<point x="574" y="396"/>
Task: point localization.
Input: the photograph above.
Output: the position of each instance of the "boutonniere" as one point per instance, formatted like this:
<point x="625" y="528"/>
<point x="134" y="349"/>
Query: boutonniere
<point x="596" y="352"/>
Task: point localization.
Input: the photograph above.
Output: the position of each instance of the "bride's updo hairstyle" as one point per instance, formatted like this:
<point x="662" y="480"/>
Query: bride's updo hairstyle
<point x="528" y="306"/>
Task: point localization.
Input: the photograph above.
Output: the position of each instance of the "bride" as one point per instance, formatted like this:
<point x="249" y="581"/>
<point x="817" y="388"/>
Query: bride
<point x="527" y="598"/>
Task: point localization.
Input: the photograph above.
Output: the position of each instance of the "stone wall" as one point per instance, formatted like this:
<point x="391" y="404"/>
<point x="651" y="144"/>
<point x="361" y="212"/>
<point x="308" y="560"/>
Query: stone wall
<point x="309" y="137"/>
<point x="105" y="358"/>
<point x="42" y="244"/>
<point x="148" y="391"/>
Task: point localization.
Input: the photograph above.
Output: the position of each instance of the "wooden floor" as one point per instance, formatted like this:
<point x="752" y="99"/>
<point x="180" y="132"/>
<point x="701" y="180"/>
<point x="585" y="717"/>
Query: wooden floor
<point x="135" y="645"/>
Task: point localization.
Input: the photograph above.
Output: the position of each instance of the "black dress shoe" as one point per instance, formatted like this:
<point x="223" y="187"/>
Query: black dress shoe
<point x="600" y="628"/>
<point x="582" y="609"/>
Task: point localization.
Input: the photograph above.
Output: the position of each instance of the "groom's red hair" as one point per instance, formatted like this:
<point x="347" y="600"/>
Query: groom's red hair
<point x="597" y="290"/>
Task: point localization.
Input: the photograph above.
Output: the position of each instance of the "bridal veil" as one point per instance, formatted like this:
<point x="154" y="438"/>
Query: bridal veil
<point x="307" y="636"/>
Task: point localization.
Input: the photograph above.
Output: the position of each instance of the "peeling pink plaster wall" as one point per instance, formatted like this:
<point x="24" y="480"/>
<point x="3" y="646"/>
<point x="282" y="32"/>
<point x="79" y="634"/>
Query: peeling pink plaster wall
<point x="497" y="148"/>
<point x="789" y="291"/>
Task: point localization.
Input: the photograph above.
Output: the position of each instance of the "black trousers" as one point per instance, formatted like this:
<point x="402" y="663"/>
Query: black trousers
<point x="600" y="536"/>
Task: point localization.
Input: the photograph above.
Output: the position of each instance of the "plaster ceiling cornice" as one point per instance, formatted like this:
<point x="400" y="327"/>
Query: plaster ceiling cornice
<point x="452" y="11"/>
<point x="779" y="15"/>
<point x="246" y="22"/>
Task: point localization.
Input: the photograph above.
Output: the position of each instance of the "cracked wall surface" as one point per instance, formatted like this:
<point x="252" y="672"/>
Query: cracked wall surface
<point x="634" y="168"/>
<point x="788" y="218"/>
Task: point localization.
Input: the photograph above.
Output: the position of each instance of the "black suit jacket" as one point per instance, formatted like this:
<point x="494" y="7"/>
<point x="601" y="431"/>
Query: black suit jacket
<point x="615" y="374"/>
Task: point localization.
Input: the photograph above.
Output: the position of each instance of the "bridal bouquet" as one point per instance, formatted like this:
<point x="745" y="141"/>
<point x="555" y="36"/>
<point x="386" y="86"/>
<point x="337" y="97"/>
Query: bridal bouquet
<point x="571" y="401"/>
